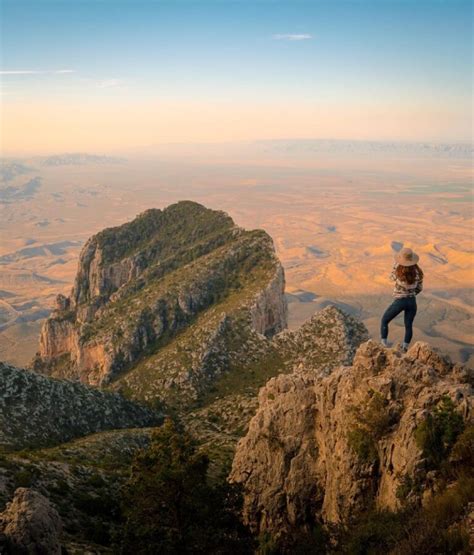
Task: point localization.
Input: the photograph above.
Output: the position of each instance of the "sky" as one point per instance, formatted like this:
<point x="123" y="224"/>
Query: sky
<point x="116" y="74"/>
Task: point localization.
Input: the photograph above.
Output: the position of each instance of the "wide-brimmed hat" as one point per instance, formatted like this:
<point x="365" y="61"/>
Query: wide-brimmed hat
<point x="406" y="257"/>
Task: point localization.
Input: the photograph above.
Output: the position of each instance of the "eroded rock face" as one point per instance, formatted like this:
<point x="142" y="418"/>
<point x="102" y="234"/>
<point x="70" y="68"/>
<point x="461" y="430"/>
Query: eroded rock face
<point x="270" y="311"/>
<point x="298" y="463"/>
<point x="147" y="280"/>
<point x="31" y="525"/>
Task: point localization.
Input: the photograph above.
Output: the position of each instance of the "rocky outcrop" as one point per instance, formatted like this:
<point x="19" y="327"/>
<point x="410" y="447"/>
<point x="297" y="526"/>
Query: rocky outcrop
<point x="140" y="284"/>
<point x="324" y="447"/>
<point x="36" y="410"/>
<point x="58" y="337"/>
<point x="329" y="338"/>
<point x="31" y="525"/>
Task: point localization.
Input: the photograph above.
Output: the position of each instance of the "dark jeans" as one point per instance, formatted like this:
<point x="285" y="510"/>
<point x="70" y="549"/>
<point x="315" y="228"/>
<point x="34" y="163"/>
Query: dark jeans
<point x="406" y="305"/>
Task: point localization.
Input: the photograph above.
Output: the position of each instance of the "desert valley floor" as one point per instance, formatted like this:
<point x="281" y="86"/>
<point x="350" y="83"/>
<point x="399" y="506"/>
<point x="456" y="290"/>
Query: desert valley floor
<point x="337" y="214"/>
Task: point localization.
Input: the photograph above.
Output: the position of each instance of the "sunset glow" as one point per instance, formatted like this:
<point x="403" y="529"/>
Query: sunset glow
<point x="118" y="75"/>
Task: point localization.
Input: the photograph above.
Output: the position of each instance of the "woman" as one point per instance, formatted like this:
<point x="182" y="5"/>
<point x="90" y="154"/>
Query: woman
<point x="408" y="279"/>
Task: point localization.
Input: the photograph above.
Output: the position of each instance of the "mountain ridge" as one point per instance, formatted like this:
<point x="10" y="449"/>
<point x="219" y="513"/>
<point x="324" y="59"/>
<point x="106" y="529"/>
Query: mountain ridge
<point x="38" y="411"/>
<point x="147" y="280"/>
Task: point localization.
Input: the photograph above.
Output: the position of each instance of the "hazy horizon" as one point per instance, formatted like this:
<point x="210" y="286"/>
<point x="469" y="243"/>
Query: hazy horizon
<point x="124" y="75"/>
<point x="152" y="150"/>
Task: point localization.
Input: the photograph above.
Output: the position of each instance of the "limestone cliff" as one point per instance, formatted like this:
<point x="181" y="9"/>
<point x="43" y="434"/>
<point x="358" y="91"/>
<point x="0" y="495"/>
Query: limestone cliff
<point x="269" y="309"/>
<point x="141" y="284"/>
<point x="324" y="446"/>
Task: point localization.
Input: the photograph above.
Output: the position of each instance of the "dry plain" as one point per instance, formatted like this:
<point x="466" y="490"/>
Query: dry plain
<point x="337" y="211"/>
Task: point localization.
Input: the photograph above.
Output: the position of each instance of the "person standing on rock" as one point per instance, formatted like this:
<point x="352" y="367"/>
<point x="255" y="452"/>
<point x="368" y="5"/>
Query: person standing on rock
<point x="408" y="278"/>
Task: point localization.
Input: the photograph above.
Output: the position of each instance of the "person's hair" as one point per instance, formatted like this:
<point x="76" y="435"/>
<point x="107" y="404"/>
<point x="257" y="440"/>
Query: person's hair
<point x="409" y="274"/>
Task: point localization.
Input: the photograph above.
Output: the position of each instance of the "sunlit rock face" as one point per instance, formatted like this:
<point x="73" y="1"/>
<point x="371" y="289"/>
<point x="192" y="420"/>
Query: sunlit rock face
<point x="303" y="460"/>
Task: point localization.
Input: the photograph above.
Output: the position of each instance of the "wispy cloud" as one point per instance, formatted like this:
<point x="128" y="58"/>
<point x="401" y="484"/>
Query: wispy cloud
<point x="109" y="83"/>
<point x="35" y="71"/>
<point x="293" y="36"/>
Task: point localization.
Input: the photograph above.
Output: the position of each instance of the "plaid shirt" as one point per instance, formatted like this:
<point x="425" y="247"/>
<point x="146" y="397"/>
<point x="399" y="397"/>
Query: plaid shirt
<point x="402" y="288"/>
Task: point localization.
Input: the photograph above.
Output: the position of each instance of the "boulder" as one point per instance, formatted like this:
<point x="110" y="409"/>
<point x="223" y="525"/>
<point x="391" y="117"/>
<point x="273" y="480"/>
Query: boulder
<point x="31" y="525"/>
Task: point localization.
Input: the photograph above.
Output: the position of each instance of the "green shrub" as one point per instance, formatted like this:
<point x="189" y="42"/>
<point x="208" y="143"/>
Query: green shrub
<point x="449" y="504"/>
<point x="462" y="454"/>
<point x="405" y="487"/>
<point x="98" y="532"/>
<point x="267" y="545"/>
<point x="311" y="541"/>
<point x="303" y="540"/>
<point x="5" y="462"/>
<point x="438" y="432"/>
<point x="169" y="506"/>
<point x="454" y="541"/>
<point x="371" y="422"/>
<point x="214" y="418"/>
<point x="375" y="532"/>
<point x="363" y="445"/>
<point x="95" y="505"/>
<point x="96" y="480"/>
<point x="430" y="529"/>
<point x="23" y="478"/>
<point x="61" y="487"/>
<point x="409" y="485"/>
<point x="413" y="530"/>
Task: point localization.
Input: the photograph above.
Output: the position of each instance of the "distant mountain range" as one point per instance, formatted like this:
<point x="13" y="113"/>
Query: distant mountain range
<point x="389" y="148"/>
<point x="79" y="159"/>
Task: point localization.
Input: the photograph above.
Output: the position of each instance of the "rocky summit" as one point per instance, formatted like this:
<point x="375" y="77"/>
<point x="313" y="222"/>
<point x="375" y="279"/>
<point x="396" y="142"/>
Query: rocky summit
<point x="182" y="271"/>
<point x="326" y="447"/>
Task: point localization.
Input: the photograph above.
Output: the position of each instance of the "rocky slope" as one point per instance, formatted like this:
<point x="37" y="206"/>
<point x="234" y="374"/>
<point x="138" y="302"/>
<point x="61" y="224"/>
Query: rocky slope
<point x="179" y="309"/>
<point x="323" y="447"/>
<point x="141" y="285"/>
<point x="36" y="410"/>
<point x="182" y="307"/>
<point x="81" y="479"/>
<point x="328" y="339"/>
